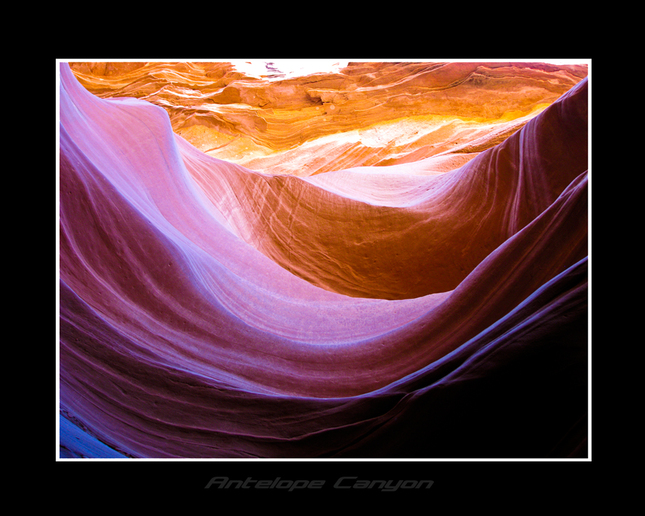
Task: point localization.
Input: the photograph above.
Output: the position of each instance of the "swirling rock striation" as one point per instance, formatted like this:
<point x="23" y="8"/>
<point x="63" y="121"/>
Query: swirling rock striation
<point x="365" y="114"/>
<point x="452" y="321"/>
<point x="404" y="233"/>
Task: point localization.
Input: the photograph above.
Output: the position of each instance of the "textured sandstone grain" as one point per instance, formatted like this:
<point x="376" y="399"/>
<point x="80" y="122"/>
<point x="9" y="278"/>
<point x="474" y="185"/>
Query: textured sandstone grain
<point x="442" y="208"/>
<point x="263" y="124"/>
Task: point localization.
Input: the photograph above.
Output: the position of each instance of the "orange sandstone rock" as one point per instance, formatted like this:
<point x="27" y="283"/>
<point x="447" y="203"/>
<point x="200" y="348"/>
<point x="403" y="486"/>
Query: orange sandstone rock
<point x="366" y="114"/>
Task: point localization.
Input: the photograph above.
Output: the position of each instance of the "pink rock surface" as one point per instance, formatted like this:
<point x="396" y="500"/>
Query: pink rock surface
<point x="211" y="310"/>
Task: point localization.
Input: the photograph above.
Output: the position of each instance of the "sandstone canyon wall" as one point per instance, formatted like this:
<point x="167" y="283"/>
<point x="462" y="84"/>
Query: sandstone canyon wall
<point x="378" y="262"/>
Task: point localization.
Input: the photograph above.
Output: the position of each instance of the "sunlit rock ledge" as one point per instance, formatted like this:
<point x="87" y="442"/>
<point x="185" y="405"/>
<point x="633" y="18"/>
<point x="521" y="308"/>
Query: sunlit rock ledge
<point x="365" y="114"/>
<point x="360" y="292"/>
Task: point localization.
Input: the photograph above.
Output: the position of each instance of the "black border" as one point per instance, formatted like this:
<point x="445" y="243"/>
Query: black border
<point x="457" y="484"/>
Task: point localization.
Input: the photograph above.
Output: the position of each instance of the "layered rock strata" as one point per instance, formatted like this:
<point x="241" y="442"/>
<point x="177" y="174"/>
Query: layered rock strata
<point x="209" y="309"/>
<point x="366" y="114"/>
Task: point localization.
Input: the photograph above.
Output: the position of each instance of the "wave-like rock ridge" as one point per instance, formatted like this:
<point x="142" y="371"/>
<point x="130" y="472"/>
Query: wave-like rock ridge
<point x="209" y="309"/>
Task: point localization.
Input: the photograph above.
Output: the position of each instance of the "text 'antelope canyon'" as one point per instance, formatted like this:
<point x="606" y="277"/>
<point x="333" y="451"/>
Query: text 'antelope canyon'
<point x="377" y="260"/>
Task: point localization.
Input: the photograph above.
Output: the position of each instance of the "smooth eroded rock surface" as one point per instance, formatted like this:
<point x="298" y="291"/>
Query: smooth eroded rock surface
<point x="380" y="262"/>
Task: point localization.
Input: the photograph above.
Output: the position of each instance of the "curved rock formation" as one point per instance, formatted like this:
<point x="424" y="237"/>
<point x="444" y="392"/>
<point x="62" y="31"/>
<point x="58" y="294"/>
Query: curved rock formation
<point x="366" y="114"/>
<point x="451" y="322"/>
